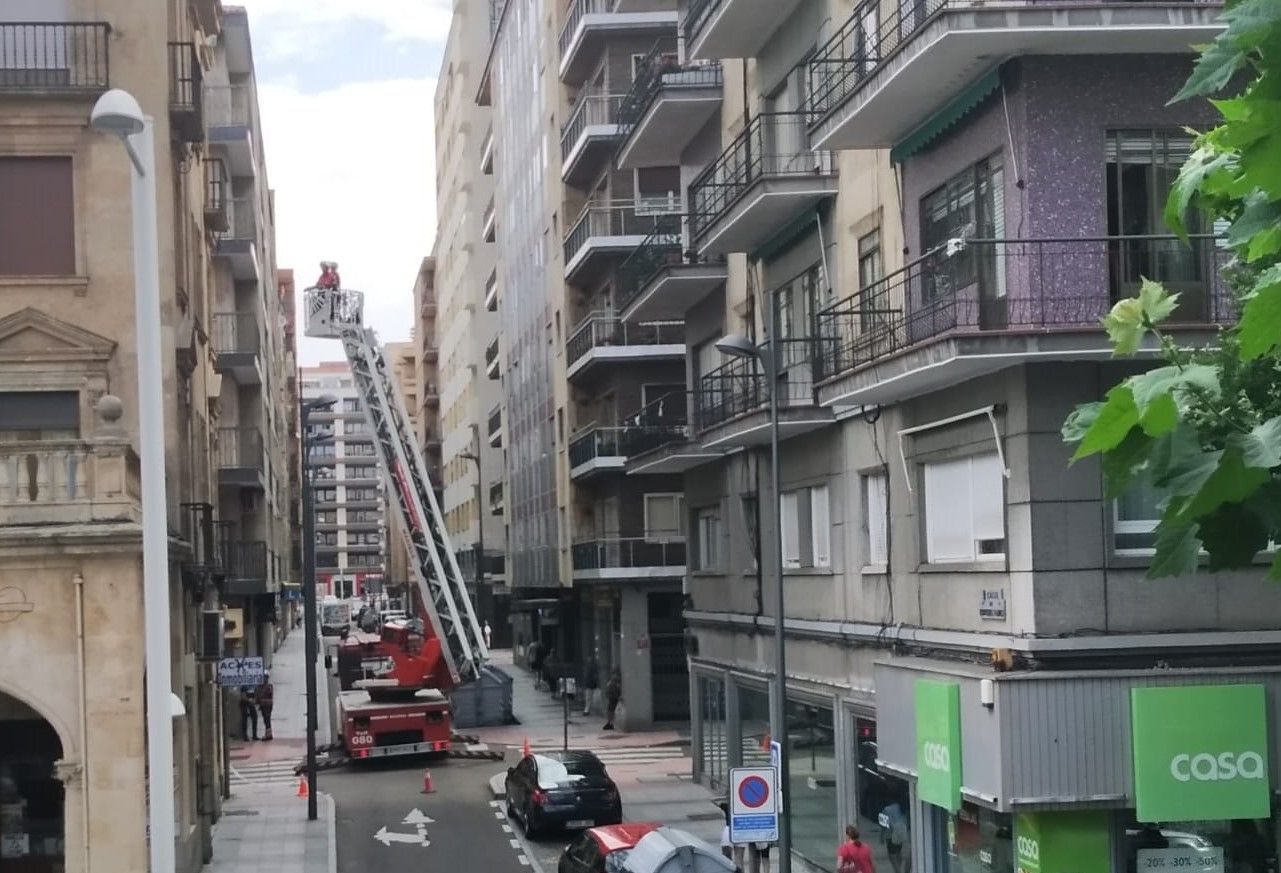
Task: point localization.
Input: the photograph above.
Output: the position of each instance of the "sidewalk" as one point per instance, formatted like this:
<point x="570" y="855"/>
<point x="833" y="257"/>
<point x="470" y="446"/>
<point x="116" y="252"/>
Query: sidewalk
<point x="264" y="827"/>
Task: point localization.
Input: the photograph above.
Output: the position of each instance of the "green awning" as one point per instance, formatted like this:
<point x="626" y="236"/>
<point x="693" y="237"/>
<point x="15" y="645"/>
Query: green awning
<point x="946" y="117"/>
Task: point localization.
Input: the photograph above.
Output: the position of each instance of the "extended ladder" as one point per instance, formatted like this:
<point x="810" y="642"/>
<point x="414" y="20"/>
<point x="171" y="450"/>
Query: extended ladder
<point x="336" y="313"/>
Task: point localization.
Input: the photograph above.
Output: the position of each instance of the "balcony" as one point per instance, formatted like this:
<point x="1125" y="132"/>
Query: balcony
<point x="431" y="395"/>
<point x="236" y="344"/>
<point x="589" y="138"/>
<point x="766" y="177"/>
<point x="487" y="152"/>
<point x="491" y="291"/>
<point x="65" y="482"/>
<point x="229" y="113"/>
<point x="427" y="304"/>
<point x="493" y="367"/>
<point x="722" y="29"/>
<point x="979" y="306"/>
<point x="668" y="104"/>
<point x="489" y="223"/>
<point x="610" y="228"/>
<point x="880" y="78"/>
<point x="238" y="244"/>
<point x="597" y="450"/>
<point x="43" y="58"/>
<point x="217" y="196"/>
<point x="496" y="504"/>
<point x="239" y="457"/>
<point x="603" y="338"/>
<point x="729" y="406"/>
<point x="186" y="93"/>
<point x="658" y="439"/>
<point x="245" y="565"/>
<point x="494" y="427"/>
<point x="659" y="280"/>
<point x="591" y="22"/>
<point x="614" y="557"/>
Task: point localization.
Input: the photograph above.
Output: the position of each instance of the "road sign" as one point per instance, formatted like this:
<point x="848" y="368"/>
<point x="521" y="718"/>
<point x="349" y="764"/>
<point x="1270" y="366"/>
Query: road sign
<point x="754" y="805"/>
<point x="241" y="672"/>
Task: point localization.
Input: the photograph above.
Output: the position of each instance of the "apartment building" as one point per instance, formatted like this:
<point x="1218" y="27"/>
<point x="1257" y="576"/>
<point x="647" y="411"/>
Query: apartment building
<point x="348" y="495"/>
<point x="72" y="721"/>
<point x="291" y="593"/>
<point x="402" y="358"/>
<point x="932" y="204"/>
<point x="466" y="329"/>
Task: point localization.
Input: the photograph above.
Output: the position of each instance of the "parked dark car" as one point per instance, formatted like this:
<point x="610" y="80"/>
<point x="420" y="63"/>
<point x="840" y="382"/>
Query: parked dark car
<point x="603" y="849"/>
<point x="562" y="789"/>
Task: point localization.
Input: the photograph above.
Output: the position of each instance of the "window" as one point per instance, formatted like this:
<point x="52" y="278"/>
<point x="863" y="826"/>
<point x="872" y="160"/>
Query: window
<point x="1135" y="514"/>
<point x="362" y="494"/>
<point x="363" y="471"/>
<point x="663" y="514"/>
<point x="876" y="503"/>
<point x="807" y="528"/>
<point x="709" y="534"/>
<point x="326" y="495"/>
<point x="964" y="510"/>
<point x="970" y="205"/>
<point x="39" y="415"/>
<point x="351" y="404"/>
<point x="798" y="300"/>
<point x="37" y="217"/>
<point x="327" y="517"/>
<point x="357" y="426"/>
<point x="870" y="268"/>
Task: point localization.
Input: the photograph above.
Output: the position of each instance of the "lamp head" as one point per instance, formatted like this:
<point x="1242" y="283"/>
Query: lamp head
<point x="737" y="346"/>
<point x="117" y="112"/>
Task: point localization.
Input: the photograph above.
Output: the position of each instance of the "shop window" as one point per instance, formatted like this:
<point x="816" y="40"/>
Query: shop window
<point x="713" y="749"/>
<point x="876" y="509"/>
<point x="965" y="510"/>
<point x="811" y="789"/>
<point x="974" y="839"/>
<point x="883" y="804"/>
<point x="1229" y="846"/>
<point x="753" y="726"/>
<point x="807" y="528"/>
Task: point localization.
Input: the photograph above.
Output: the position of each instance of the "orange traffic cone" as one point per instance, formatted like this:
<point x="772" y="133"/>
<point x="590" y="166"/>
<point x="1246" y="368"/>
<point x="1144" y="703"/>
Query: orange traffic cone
<point x="524" y="750"/>
<point x="302" y="787"/>
<point x="428" y="786"/>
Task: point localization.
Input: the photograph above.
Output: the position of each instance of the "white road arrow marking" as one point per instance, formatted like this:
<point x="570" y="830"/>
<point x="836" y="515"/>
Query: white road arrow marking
<point x="416" y="817"/>
<point x="387" y="837"/>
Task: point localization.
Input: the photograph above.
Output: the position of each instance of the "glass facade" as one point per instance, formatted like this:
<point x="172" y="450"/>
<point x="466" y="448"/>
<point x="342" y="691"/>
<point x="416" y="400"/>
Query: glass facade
<point x="520" y="170"/>
<point x="883" y="806"/>
<point x="974" y="840"/>
<point x="1235" y="846"/>
<point x="713" y="749"/>
<point x="811" y="789"/>
<point x="753" y="726"/>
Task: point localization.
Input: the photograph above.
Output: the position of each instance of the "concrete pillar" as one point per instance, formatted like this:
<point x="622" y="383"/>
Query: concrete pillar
<point x="638" y="689"/>
<point x="71" y="775"/>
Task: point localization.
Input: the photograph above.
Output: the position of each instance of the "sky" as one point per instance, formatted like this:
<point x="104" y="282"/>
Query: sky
<point x="345" y="89"/>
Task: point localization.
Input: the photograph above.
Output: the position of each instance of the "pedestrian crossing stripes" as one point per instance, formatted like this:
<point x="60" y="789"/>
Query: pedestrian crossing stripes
<point x="630" y="755"/>
<point x="264" y="773"/>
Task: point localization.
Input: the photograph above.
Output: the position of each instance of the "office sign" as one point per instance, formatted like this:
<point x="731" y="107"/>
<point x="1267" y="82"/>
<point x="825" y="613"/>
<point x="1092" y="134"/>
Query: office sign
<point x="753" y="805"/>
<point x="241" y="672"/>
<point x="1200" y="752"/>
<point x="938" y="743"/>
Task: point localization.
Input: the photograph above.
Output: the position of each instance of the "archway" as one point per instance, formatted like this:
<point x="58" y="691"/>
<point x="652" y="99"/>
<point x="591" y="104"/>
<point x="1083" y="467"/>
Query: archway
<point x="32" y="826"/>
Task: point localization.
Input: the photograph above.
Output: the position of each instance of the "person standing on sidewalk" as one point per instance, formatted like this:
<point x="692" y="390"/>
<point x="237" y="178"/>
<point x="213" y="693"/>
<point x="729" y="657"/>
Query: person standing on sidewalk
<point x="613" y="694"/>
<point x="854" y="855"/>
<point x="248" y="714"/>
<point x="591" y="684"/>
<point x="489" y="635"/>
<point x="266" y="696"/>
<point x="551" y="671"/>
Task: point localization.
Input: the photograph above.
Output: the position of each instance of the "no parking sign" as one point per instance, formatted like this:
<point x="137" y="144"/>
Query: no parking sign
<point x="753" y="805"/>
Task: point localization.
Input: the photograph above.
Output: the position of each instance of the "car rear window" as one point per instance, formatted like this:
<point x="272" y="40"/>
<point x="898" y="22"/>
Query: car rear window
<point x="552" y="772"/>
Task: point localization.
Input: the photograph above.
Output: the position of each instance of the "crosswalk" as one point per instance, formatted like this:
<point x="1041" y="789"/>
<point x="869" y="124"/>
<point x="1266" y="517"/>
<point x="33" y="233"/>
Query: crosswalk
<point x="630" y="755"/>
<point x="264" y="773"/>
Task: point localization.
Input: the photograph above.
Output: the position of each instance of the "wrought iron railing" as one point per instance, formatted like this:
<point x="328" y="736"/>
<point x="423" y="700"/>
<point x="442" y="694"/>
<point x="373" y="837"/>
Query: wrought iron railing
<point x="217" y="193"/>
<point x="738" y="386"/>
<point x="696" y="16"/>
<point x="606" y="329"/>
<point x="186" y="90"/>
<point x="592" y="109"/>
<point x="244" y="560"/>
<point x="49" y="56"/>
<point x="659" y="423"/>
<point x="660" y="249"/>
<point x="987" y="285"/>
<point x="659" y="549"/>
<point x="661" y="70"/>
<point x="617" y="218"/>
<point x="773" y="145"/>
<point x="235" y="333"/>
<point x="576" y="13"/>
<point x="239" y="447"/>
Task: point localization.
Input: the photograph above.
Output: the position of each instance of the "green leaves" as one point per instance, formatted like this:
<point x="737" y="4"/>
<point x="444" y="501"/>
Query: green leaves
<point x="1259" y="331"/>
<point x="1205" y="164"/>
<point x="1131" y="318"/>
<point x="1111" y="422"/>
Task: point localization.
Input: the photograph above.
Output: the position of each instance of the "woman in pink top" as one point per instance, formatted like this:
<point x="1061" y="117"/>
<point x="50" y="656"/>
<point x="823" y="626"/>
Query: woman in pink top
<point x="854" y="855"/>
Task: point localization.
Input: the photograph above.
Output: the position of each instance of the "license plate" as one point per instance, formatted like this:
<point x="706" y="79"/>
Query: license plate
<point x="579" y="823"/>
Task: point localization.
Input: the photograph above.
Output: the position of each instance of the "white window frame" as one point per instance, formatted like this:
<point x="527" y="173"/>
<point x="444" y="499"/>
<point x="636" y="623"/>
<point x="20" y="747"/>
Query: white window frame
<point x="876" y="511"/>
<point x="708" y="520"/>
<point x="664" y="536"/>
<point x="821" y="526"/>
<point x="790" y="512"/>
<point x="949" y="506"/>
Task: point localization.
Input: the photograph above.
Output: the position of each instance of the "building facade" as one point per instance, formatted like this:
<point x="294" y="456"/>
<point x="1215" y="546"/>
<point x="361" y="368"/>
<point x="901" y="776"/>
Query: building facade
<point x="403" y="359"/>
<point x="72" y="736"/>
<point x="348" y="492"/>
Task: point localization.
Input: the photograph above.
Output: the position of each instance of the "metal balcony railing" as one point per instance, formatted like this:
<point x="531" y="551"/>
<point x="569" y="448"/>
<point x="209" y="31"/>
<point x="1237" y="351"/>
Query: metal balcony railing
<point x="662" y="248"/>
<point x="988" y="285"/>
<point x="245" y="559"/>
<point x="773" y="145"/>
<point x="68" y="481"/>
<point x="217" y="194"/>
<point x="606" y="329"/>
<point x="662" y="69"/>
<point x="738" y="386"/>
<point x="236" y="333"/>
<point x="186" y="90"/>
<point x="239" y="448"/>
<point x="592" y="108"/>
<point x="619" y="218"/>
<point x="576" y="13"/>
<point x="696" y="16"/>
<point x="48" y="56"/>
<point x="243" y="220"/>
<point x="613" y="552"/>
<point x="659" y="423"/>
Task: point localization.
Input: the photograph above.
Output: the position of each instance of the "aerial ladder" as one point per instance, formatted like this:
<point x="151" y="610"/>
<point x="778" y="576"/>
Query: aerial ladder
<point x="333" y="312"/>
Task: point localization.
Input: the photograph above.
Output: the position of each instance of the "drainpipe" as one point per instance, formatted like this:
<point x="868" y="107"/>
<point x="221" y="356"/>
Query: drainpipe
<point x="79" y="581"/>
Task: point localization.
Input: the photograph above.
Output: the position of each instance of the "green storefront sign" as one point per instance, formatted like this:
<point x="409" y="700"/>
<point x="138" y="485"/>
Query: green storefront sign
<point x="1062" y="842"/>
<point x="938" y="743"/>
<point x="1200" y="752"/>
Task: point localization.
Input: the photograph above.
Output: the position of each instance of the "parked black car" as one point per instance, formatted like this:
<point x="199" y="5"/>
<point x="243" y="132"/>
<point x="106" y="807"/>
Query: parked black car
<point x="562" y="789"/>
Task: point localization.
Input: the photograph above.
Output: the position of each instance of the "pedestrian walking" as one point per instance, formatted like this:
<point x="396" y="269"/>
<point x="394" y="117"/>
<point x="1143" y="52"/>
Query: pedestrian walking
<point x="760" y="857"/>
<point x="894" y="827"/>
<point x="248" y="714"/>
<point x="489" y="634"/>
<point x="854" y="855"/>
<point x="591" y="684"/>
<point x="266" y="697"/>
<point x="730" y="849"/>
<point x="613" y="694"/>
<point x="535" y="662"/>
<point x="551" y="670"/>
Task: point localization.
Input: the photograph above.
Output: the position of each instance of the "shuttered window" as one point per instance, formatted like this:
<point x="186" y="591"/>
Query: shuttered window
<point x="37" y="217"/>
<point x="39" y="415"/>
<point x="965" y="510"/>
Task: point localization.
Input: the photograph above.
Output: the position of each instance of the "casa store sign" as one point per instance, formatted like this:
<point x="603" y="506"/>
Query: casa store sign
<point x="938" y="743"/>
<point x="1200" y="752"/>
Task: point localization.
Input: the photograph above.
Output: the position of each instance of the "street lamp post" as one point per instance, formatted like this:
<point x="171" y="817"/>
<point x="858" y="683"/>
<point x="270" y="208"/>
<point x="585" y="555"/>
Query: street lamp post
<point x="741" y="347"/>
<point x="118" y="113"/>
<point x="309" y="590"/>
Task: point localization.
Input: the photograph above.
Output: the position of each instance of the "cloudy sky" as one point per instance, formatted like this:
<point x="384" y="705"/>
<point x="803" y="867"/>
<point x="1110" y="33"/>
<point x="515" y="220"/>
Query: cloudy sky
<point x="346" y="92"/>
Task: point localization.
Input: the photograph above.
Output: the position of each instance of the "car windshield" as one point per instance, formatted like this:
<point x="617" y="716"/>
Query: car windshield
<point x="552" y="772"/>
